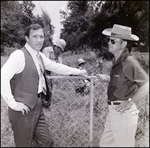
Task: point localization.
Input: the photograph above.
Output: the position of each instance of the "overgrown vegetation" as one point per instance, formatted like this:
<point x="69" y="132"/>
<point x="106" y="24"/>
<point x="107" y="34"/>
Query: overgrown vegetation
<point x="69" y="115"/>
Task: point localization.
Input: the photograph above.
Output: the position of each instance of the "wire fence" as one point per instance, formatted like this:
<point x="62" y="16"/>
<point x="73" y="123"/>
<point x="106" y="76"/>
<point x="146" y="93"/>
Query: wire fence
<point x="76" y="117"/>
<point x="77" y="113"/>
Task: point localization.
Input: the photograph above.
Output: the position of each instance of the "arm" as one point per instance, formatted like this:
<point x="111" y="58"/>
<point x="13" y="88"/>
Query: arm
<point x="13" y="65"/>
<point x="141" y="93"/>
<point x="136" y="74"/>
<point x="61" y="68"/>
<point x="103" y="77"/>
<point x="8" y="70"/>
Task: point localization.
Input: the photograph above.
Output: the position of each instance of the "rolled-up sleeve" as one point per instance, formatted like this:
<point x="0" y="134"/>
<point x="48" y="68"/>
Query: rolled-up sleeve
<point x="12" y="66"/>
<point x="134" y="72"/>
<point x="59" y="68"/>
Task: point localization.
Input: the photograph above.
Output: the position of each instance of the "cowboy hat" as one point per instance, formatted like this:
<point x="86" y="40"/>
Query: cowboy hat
<point x="120" y="31"/>
<point x="60" y="43"/>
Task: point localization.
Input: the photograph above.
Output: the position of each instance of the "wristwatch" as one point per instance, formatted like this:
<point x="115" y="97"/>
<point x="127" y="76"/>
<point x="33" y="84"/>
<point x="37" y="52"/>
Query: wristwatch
<point x="130" y="100"/>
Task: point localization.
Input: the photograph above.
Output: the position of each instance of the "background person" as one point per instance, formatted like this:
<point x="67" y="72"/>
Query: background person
<point x="128" y="84"/>
<point x="26" y="67"/>
<point x="83" y="85"/>
<point x="54" y="53"/>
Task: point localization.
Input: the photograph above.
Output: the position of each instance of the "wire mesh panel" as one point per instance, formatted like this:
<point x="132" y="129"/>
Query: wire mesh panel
<point x="68" y="117"/>
<point x="142" y="133"/>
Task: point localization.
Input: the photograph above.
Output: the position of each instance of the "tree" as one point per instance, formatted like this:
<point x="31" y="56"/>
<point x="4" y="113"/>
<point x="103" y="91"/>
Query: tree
<point x="75" y="24"/>
<point x="130" y="13"/>
<point x="27" y="13"/>
<point x="88" y="19"/>
<point x="15" y="16"/>
<point x="10" y="22"/>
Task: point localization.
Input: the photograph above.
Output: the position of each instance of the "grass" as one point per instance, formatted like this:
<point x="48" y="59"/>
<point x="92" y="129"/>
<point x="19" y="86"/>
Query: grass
<point x="7" y="139"/>
<point x="68" y="117"/>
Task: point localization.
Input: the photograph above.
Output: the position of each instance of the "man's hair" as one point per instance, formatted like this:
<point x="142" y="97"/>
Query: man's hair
<point x="32" y="27"/>
<point x="130" y="44"/>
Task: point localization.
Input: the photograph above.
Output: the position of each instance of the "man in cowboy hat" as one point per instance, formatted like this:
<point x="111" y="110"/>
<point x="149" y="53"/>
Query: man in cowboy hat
<point x="128" y="83"/>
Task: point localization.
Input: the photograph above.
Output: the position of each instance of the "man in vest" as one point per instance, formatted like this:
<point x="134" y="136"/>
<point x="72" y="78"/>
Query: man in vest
<point x="128" y="84"/>
<point x="26" y="67"/>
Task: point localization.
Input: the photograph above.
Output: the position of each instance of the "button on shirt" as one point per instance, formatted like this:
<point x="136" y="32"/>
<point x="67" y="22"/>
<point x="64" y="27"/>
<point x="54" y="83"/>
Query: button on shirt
<point x="15" y="65"/>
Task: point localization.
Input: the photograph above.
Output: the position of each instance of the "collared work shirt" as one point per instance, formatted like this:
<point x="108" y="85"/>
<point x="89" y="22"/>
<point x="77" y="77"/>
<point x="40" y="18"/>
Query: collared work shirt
<point x="49" y="52"/>
<point x="125" y="77"/>
<point x="15" y="65"/>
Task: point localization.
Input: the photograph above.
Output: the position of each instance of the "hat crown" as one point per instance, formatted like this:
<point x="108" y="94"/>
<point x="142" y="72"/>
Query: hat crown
<point x="61" y="43"/>
<point x="119" y="29"/>
<point x="80" y="61"/>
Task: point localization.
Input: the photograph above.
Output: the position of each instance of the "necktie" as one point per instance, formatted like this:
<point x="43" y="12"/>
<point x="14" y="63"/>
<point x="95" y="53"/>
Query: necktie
<point x="41" y="66"/>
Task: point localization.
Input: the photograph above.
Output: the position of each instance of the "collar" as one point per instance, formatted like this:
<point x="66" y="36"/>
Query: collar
<point x="122" y="57"/>
<point x="31" y="50"/>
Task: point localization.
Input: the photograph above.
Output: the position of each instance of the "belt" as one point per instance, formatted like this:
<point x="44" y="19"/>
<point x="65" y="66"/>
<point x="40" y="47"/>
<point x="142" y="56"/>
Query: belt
<point x="113" y="103"/>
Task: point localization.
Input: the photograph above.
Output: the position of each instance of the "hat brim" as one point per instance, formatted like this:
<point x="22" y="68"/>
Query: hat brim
<point x="81" y="63"/>
<point x="59" y="46"/>
<point x="131" y="37"/>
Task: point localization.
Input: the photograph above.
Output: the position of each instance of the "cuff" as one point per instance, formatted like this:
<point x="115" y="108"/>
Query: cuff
<point x="12" y="104"/>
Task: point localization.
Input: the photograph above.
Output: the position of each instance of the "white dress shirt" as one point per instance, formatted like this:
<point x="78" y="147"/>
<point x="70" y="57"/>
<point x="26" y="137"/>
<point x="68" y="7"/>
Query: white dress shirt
<point x="15" y="65"/>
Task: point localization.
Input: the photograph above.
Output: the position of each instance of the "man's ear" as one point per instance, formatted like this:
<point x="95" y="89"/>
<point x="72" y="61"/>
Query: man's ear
<point x="124" y="44"/>
<point x="26" y="38"/>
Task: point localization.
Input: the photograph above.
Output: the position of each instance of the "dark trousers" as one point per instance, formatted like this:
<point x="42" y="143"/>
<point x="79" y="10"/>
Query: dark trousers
<point x="30" y="126"/>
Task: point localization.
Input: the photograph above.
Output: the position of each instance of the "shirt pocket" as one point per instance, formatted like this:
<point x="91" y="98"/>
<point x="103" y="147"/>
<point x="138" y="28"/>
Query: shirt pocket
<point x="115" y="80"/>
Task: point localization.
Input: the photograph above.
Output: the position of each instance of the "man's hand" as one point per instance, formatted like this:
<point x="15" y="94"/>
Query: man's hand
<point x="125" y="105"/>
<point x="103" y="77"/>
<point x="60" y="60"/>
<point x="83" y="72"/>
<point x="21" y="107"/>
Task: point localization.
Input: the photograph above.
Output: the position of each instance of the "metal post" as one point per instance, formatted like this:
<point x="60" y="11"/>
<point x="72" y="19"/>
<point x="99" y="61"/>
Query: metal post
<point x="91" y="113"/>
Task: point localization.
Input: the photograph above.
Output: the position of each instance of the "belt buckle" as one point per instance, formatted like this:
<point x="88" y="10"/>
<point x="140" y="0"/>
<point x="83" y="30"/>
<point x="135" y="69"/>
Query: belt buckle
<point x="112" y="103"/>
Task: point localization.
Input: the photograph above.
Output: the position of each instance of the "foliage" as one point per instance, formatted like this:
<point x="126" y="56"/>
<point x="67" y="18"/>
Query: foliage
<point x="87" y="20"/>
<point x="49" y="29"/>
<point x="75" y="24"/>
<point x="10" y="22"/>
<point x="14" y="17"/>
